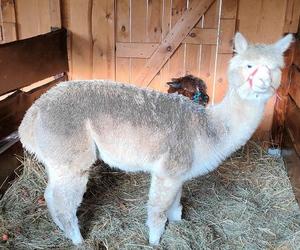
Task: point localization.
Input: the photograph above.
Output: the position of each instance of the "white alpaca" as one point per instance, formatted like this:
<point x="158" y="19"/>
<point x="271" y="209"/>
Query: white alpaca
<point x="141" y="130"/>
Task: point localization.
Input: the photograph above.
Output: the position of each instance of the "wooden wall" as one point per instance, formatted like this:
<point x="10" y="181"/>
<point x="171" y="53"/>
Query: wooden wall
<point x="115" y="39"/>
<point x="136" y="28"/>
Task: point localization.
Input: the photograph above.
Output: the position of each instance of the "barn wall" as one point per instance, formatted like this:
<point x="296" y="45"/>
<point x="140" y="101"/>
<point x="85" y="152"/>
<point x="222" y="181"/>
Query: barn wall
<point x="98" y="27"/>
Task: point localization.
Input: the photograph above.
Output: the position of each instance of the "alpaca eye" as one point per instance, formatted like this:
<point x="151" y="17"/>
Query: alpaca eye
<point x="249" y="66"/>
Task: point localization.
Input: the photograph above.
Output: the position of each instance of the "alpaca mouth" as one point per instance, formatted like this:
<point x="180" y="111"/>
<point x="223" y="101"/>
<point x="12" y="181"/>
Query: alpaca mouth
<point x="261" y="89"/>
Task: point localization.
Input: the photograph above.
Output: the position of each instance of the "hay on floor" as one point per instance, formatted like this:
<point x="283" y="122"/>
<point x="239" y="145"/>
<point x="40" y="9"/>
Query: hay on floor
<point x="247" y="203"/>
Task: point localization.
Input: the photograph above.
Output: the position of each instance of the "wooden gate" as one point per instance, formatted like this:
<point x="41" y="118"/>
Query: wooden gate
<point x="160" y="39"/>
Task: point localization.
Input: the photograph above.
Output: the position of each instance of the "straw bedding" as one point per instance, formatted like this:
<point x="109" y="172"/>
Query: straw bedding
<point x="247" y="203"/>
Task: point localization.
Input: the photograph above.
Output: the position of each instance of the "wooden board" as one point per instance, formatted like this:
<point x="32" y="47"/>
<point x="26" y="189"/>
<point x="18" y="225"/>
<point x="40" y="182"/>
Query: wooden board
<point x="294" y="89"/>
<point x="27" y="61"/>
<point x="33" y="17"/>
<point x="292" y="15"/>
<point x="261" y="21"/>
<point x="55" y="14"/>
<point x="166" y="27"/>
<point x="103" y="23"/>
<point x="8" y="21"/>
<point x="137" y="50"/>
<point x="154" y="31"/>
<point x="292" y="163"/>
<point x="172" y="41"/>
<point x="138" y="33"/>
<point x="13" y="108"/>
<point x="202" y="36"/>
<point x="81" y="39"/>
<point x="177" y="59"/>
<point x="208" y="52"/>
<point x="123" y="35"/>
<point x="293" y="124"/>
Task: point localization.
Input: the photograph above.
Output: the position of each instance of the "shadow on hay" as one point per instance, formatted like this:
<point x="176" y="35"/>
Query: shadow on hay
<point x="98" y="187"/>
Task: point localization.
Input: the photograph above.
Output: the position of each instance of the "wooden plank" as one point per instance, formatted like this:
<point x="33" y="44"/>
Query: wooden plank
<point x="81" y="39"/>
<point x="258" y="19"/>
<point x="8" y="21"/>
<point x="292" y="163"/>
<point x="227" y="30"/>
<point x="294" y="90"/>
<point x="65" y="20"/>
<point x="154" y="34"/>
<point x="293" y="124"/>
<point x="193" y="50"/>
<point x="192" y="59"/>
<point x="138" y="34"/>
<point x="221" y="77"/>
<point x="103" y="34"/>
<point x="296" y="59"/>
<point x="123" y="35"/>
<point x="55" y="14"/>
<point x="292" y="16"/>
<point x="208" y="52"/>
<point x="13" y="108"/>
<point x="33" y="17"/>
<point x="229" y="9"/>
<point x="202" y="36"/>
<point x="172" y="41"/>
<point x="26" y="61"/>
<point x="137" y="50"/>
<point x="166" y="27"/>
<point x="154" y="21"/>
<point x="177" y="60"/>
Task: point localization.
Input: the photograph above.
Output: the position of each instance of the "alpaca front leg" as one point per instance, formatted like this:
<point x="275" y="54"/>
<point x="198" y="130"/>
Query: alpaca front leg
<point x="175" y="211"/>
<point x="163" y="191"/>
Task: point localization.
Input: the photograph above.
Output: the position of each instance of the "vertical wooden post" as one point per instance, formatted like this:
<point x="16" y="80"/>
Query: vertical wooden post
<point x="9" y="32"/>
<point x="282" y="100"/>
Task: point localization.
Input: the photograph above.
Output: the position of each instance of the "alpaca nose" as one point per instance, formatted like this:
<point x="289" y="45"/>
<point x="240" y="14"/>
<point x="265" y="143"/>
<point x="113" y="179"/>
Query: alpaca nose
<point x="264" y="75"/>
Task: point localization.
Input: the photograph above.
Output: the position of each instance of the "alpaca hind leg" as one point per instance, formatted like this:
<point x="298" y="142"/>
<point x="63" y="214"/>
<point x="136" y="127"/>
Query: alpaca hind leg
<point x="63" y="196"/>
<point x="163" y="191"/>
<point x="175" y="211"/>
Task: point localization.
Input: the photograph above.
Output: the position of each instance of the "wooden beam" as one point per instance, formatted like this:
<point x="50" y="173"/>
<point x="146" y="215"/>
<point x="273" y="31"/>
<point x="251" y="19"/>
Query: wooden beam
<point x="8" y="21"/>
<point x="55" y="14"/>
<point x="137" y="50"/>
<point x="103" y="35"/>
<point x="202" y="36"/>
<point x="27" y="61"/>
<point x="168" y="46"/>
<point x="294" y="89"/>
<point x="13" y="108"/>
<point x="293" y="123"/>
<point x="197" y="36"/>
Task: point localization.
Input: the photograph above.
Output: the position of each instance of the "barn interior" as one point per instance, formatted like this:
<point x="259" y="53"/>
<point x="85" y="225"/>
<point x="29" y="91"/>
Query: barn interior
<point x="148" y="43"/>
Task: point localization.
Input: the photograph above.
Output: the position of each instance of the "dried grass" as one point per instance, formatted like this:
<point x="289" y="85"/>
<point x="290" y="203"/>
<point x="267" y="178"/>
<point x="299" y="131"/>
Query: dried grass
<point x="247" y="203"/>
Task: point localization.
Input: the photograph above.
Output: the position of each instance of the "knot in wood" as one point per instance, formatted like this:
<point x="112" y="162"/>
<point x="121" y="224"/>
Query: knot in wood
<point x="169" y="48"/>
<point x="123" y="28"/>
<point x="193" y="34"/>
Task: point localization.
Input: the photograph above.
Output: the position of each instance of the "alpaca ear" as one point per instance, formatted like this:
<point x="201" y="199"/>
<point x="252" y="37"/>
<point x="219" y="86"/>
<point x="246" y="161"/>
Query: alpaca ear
<point x="240" y="43"/>
<point x="175" y="85"/>
<point x="284" y="43"/>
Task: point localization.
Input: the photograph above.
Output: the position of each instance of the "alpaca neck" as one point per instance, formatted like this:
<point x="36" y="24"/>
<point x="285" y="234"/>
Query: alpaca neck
<point x="241" y="117"/>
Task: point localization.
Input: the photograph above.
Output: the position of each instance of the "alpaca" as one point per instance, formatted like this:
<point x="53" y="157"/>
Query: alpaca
<point x="136" y="129"/>
<point x="191" y="87"/>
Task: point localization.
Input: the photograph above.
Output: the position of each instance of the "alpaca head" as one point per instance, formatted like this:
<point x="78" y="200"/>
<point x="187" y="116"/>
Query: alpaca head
<point x="191" y="87"/>
<point x="255" y="71"/>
